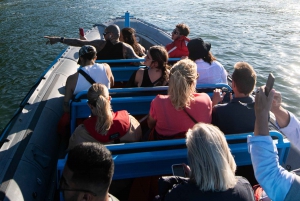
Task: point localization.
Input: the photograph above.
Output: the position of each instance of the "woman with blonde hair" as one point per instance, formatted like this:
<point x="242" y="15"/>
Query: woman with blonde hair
<point x="211" y="169"/>
<point x="173" y="114"/>
<point x="157" y="71"/>
<point x="104" y="125"/>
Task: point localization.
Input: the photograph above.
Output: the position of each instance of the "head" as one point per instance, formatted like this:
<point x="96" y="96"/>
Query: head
<point x="182" y="83"/>
<point x="87" y="53"/>
<point x="112" y="32"/>
<point x="243" y="78"/>
<point x="128" y="36"/>
<point x="88" y="172"/>
<point x="198" y="49"/>
<point x="99" y="102"/>
<point x="180" y="30"/>
<point x="157" y="57"/>
<point x="212" y="165"/>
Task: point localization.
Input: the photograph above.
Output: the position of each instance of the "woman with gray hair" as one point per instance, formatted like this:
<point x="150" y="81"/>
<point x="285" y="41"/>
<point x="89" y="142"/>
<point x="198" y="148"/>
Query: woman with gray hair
<point x="211" y="171"/>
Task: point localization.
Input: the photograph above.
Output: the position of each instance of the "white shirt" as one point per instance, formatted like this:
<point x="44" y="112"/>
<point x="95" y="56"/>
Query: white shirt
<point x="273" y="178"/>
<point x="211" y="73"/>
<point x="97" y="72"/>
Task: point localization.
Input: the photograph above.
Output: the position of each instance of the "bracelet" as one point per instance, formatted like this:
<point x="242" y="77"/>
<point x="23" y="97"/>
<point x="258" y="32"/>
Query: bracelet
<point x="62" y="39"/>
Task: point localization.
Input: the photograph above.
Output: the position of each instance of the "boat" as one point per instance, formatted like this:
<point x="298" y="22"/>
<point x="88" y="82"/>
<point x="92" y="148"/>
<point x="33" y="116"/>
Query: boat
<point x="32" y="155"/>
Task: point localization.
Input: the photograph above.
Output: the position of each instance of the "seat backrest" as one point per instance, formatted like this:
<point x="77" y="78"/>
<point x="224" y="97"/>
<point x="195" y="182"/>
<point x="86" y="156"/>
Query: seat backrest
<point x="135" y="100"/>
<point x="156" y="157"/>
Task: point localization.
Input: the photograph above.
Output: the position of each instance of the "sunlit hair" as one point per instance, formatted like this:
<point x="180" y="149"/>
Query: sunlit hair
<point x="244" y="77"/>
<point x="160" y="55"/>
<point x="182" y="83"/>
<point x="183" y="29"/>
<point x="98" y="98"/>
<point x="92" y="166"/>
<point x="212" y="165"/>
<point x="129" y="38"/>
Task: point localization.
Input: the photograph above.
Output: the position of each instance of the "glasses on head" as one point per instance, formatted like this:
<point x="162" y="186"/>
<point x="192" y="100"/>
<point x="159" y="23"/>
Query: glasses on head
<point x="104" y="34"/>
<point x="62" y="189"/>
<point x="175" y="32"/>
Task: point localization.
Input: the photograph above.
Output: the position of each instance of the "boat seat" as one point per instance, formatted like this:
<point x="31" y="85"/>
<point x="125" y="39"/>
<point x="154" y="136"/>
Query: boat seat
<point x="135" y="100"/>
<point x="142" y="159"/>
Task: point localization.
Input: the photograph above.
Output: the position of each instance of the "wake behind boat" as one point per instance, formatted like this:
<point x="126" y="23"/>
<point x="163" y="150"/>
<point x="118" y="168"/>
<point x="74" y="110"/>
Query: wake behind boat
<point x="31" y="147"/>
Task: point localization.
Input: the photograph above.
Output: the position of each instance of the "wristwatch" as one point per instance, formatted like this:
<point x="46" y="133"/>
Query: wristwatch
<point x="62" y="39"/>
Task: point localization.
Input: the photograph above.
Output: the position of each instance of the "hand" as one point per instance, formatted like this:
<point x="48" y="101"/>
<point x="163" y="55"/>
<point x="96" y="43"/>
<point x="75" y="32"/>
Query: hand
<point x="262" y="107"/>
<point x="187" y="169"/>
<point x="217" y="96"/>
<point x="82" y="37"/>
<point x="52" y="40"/>
<point x="263" y="103"/>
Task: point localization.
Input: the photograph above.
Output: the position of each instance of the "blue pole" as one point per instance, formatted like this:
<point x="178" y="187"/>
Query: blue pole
<point x="127" y="19"/>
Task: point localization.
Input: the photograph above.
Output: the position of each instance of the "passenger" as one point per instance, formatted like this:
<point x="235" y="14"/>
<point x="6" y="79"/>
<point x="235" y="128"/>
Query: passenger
<point x="87" y="174"/>
<point x="278" y="183"/>
<point x="211" y="71"/>
<point x="128" y="36"/>
<point x="178" y="48"/>
<point x="100" y="73"/>
<point x="173" y="114"/>
<point x="157" y="71"/>
<point x="211" y="174"/>
<point x="110" y="48"/>
<point x="235" y="117"/>
<point x="104" y="125"/>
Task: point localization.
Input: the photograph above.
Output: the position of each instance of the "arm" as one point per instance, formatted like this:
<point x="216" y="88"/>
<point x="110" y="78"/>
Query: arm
<point x="98" y="44"/>
<point x="109" y="74"/>
<point x="151" y="122"/>
<point x="286" y="121"/>
<point x="128" y="53"/>
<point x="274" y="179"/>
<point x="69" y="90"/>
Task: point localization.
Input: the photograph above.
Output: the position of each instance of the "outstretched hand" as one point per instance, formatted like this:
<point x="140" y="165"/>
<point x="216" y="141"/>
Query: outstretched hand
<point x="187" y="169"/>
<point x="262" y="108"/>
<point x="52" y="40"/>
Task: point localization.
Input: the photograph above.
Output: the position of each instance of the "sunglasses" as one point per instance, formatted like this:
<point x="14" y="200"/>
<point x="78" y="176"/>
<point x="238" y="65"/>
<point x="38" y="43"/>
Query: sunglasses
<point x="61" y="189"/>
<point x="104" y="34"/>
<point x="175" y="32"/>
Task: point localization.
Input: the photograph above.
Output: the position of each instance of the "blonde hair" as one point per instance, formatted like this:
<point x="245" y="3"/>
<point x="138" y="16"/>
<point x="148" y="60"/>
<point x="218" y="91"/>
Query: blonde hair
<point x="182" y="83"/>
<point x="212" y="165"/>
<point x="98" y="97"/>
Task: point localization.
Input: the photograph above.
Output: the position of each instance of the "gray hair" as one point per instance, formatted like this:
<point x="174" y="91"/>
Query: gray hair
<point x="212" y="165"/>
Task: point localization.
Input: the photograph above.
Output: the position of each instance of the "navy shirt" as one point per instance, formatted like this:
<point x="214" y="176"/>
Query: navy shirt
<point x="234" y="117"/>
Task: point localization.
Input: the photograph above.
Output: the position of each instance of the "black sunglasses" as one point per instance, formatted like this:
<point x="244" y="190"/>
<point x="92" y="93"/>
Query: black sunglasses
<point x="61" y="189"/>
<point x="104" y="34"/>
<point x="175" y="32"/>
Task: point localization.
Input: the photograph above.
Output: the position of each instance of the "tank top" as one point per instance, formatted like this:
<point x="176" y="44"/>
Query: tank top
<point x="97" y="72"/>
<point x="111" y="51"/>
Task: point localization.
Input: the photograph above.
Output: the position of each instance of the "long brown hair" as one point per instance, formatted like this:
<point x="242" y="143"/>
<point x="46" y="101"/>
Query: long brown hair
<point x="160" y="55"/>
<point x="129" y="38"/>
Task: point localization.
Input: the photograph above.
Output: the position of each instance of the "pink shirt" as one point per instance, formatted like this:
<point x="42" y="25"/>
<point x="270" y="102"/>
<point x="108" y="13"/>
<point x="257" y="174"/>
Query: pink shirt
<point x="170" y="121"/>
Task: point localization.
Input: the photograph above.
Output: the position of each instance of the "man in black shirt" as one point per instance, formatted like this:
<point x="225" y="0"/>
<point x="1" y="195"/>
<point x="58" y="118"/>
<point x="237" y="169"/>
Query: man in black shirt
<point x="235" y="117"/>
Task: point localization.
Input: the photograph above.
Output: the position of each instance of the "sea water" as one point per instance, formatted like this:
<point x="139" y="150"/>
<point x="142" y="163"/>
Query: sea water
<point x="263" y="33"/>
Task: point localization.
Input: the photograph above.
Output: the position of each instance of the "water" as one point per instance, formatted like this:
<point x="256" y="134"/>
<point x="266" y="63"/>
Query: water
<point x="263" y="33"/>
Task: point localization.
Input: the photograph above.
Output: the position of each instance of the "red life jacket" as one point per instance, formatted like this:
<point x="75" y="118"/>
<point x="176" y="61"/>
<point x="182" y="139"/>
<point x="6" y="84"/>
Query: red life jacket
<point x="120" y="126"/>
<point x="178" y="47"/>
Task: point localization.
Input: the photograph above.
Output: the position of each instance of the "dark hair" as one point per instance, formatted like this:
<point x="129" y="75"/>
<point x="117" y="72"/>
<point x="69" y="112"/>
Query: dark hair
<point x="92" y="166"/>
<point x="244" y="77"/>
<point x="198" y="49"/>
<point x="160" y="55"/>
<point x="89" y="56"/>
<point x="183" y="29"/>
<point x="129" y="37"/>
